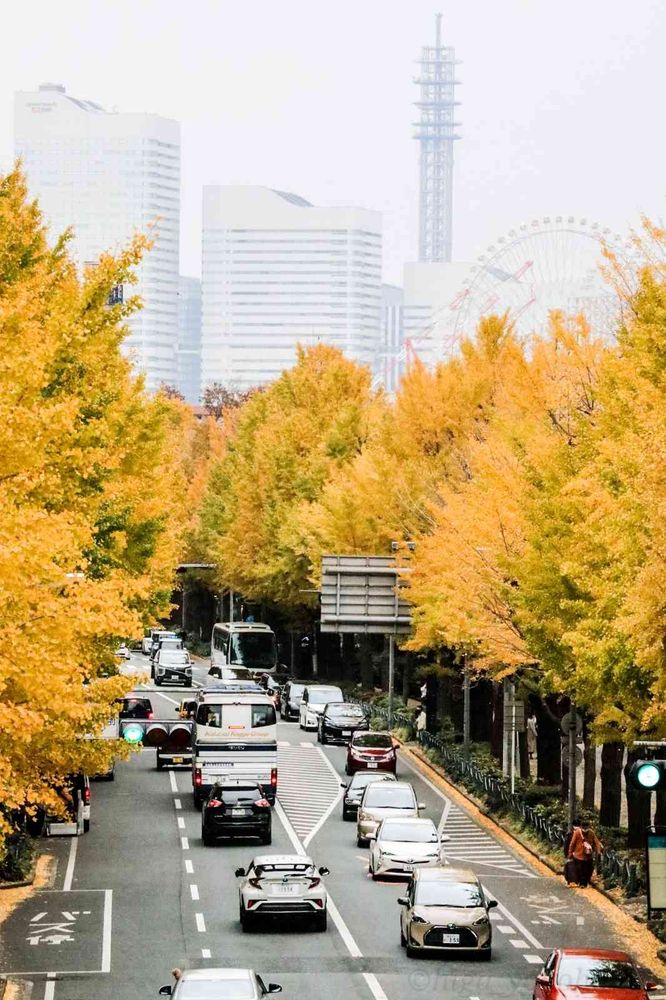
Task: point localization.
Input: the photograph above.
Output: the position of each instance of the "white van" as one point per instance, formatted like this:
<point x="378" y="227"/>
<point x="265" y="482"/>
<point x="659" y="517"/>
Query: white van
<point x="315" y="698"/>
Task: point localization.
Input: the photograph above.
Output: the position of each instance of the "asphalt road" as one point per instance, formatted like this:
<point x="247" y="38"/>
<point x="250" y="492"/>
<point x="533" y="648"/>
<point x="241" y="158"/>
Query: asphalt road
<point x="169" y="901"/>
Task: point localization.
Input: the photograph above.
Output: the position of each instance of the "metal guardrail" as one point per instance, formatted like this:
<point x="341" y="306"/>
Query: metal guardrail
<point x="610" y="865"/>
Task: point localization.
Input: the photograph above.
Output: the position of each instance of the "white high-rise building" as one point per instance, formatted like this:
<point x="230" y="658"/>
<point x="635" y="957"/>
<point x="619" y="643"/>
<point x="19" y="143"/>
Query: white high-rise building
<point x="278" y="272"/>
<point x="109" y="175"/>
<point x="189" y="338"/>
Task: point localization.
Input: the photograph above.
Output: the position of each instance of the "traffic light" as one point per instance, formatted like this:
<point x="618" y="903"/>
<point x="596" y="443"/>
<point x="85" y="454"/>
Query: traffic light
<point x="648" y="775"/>
<point x="156" y="732"/>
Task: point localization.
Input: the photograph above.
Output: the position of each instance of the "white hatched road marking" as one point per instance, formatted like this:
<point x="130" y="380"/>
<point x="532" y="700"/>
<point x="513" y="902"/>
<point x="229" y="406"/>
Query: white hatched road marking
<point x="471" y="844"/>
<point x="307" y="789"/>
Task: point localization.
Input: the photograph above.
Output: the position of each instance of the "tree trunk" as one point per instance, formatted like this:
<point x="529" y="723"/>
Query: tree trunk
<point x="549" y="745"/>
<point x="589" y="768"/>
<point x="407" y="667"/>
<point x="497" y="735"/>
<point x="611" y="784"/>
<point x="638" y="806"/>
<point x="481" y="711"/>
<point x="367" y="668"/>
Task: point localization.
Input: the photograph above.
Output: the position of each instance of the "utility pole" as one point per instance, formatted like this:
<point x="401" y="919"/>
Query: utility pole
<point x="231" y="606"/>
<point x="572" y="763"/>
<point x="466" y="707"/>
<point x="391" y="678"/>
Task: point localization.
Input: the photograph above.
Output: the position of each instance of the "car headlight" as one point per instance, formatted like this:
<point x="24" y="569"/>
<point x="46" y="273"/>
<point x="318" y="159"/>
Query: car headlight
<point x="416" y="919"/>
<point x="481" y="920"/>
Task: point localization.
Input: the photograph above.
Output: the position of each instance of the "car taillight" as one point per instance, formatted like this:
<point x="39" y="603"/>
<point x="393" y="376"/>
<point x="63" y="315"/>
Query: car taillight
<point x="314" y="882"/>
<point x="263" y="803"/>
<point x="214" y="803"/>
<point x="86" y="796"/>
<point x="197" y="776"/>
<point x="255" y="882"/>
<point x="274" y="777"/>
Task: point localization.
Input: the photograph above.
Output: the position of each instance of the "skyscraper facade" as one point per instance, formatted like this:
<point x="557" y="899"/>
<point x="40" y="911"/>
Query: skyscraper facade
<point x="189" y="338"/>
<point x="109" y="175"/>
<point x="278" y="272"/>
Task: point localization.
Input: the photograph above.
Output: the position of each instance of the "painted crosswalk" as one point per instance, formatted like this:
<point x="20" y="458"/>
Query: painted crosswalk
<point x="470" y="844"/>
<point x="308" y="787"/>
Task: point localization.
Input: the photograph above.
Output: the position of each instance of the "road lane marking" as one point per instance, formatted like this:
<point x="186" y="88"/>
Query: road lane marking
<point x="533" y="959"/>
<point x="71" y="861"/>
<point x="205" y="952"/>
<point x="181" y="823"/>
<point x="184" y="843"/>
<point x="506" y="929"/>
<point x="194" y="892"/>
<point x="375" y="988"/>
<point x="106" y="930"/>
<point x="201" y="923"/>
<point x="177" y="803"/>
<point x="172" y="779"/>
<point x="517" y="943"/>
<point x="519" y="927"/>
<point x="189" y="867"/>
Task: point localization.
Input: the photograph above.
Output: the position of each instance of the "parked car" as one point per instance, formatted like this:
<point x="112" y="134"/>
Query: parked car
<point x="220" y="984"/>
<point x="315" y="699"/>
<point x="446" y="909"/>
<point x="289" y="700"/>
<point x="339" y="721"/>
<point x="282" y="885"/>
<point x="574" y="972"/>
<point x="403" y="845"/>
<point x="354" y="790"/>
<point x="381" y="800"/>
<point x="371" y="751"/>
<point x="236" y="811"/>
<point x="146" y="644"/>
<point x="173" y="665"/>
<point x="123" y="652"/>
<point x="135" y="707"/>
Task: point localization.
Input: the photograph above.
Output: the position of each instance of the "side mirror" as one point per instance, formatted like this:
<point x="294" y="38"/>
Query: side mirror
<point x="403" y="901"/>
<point x="542" y="979"/>
<point x="274" y="988"/>
<point x="492" y="903"/>
<point x="444" y="839"/>
<point x="324" y="871"/>
<point x="342" y="785"/>
<point x="165" y="991"/>
<point x="422" y="805"/>
<point x="239" y="872"/>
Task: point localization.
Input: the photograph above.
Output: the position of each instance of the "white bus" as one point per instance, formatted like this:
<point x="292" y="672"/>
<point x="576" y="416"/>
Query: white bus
<point x="243" y="644"/>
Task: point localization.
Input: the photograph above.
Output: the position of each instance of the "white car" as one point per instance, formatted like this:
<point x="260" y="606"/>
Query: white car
<point x="146" y="644"/>
<point x="220" y="984"/>
<point x="282" y="885"/>
<point x="401" y="845"/>
<point x="123" y="652"/>
<point x="315" y="699"/>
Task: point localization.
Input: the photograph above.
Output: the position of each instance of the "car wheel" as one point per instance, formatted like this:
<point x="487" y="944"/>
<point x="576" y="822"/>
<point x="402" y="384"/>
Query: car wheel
<point x="486" y="955"/>
<point x="246" y="921"/>
<point x="86" y="825"/>
<point x="361" y="842"/>
<point x="409" y="950"/>
<point x="188" y="684"/>
<point x="197" y="801"/>
<point x="320" y="921"/>
<point x="208" y="841"/>
<point x="158" y="682"/>
<point x="347" y="770"/>
<point x="323" y="740"/>
<point x="159" y="764"/>
<point x="267" y="838"/>
<point x="111" y="776"/>
<point x="346" y="815"/>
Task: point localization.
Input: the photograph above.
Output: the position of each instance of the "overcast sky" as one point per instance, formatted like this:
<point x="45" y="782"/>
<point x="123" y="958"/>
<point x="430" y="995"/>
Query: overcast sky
<point x="561" y="103"/>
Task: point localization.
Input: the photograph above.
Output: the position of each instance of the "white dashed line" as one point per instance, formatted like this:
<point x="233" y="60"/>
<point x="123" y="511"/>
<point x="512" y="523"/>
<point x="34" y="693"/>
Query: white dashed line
<point x="533" y="959"/>
<point x="172" y="779"/>
<point x="178" y="804"/>
<point x="184" y="843"/>
<point x="517" y="943"/>
<point x="194" y="891"/>
<point x="189" y="867"/>
<point x="201" y="924"/>
<point x="181" y="823"/>
<point x="205" y="952"/>
<point x="506" y="929"/>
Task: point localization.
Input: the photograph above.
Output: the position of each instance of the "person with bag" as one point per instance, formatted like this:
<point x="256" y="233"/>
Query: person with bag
<point x="583" y="847"/>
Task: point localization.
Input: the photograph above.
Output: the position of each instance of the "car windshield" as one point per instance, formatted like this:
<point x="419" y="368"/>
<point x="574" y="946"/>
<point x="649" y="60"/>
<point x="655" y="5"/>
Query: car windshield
<point x="254" y="649"/>
<point x="345" y="711"/>
<point x="211" y="989"/>
<point x="235" y="674"/>
<point x="463" y="894"/>
<point x="319" y="696"/>
<point x="578" y="970"/>
<point x="389" y="796"/>
<point x="174" y="656"/>
<point x="363" y="778"/>
<point x="413" y="833"/>
<point x="381" y="741"/>
<point x="296" y="690"/>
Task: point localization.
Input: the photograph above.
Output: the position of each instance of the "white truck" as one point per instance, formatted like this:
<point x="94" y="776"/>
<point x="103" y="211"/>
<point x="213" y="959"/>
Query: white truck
<point x="235" y="741"/>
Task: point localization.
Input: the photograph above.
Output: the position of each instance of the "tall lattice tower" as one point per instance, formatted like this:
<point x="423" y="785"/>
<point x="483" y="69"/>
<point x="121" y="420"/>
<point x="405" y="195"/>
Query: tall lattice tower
<point x="436" y="134"/>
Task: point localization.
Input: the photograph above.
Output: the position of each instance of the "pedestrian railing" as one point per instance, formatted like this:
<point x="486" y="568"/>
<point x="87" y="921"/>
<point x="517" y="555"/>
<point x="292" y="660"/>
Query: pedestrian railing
<point x="611" y="865"/>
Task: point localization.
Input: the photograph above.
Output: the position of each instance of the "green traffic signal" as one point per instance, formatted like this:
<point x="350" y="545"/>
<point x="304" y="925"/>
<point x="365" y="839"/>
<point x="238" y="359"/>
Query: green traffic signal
<point x="648" y="775"/>
<point x="133" y="732"/>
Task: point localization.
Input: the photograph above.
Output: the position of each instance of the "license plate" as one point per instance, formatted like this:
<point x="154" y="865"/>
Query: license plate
<point x="450" y="938"/>
<point x="237" y="812"/>
<point x="286" y="890"/>
<point x="346" y="732"/>
<point x="371" y="764"/>
<point x="176" y="760"/>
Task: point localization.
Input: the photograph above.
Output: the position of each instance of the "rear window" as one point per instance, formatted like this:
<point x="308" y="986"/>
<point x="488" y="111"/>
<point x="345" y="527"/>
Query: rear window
<point x="388" y="795"/>
<point x="263" y="715"/>
<point x="238" y="794"/>
<point x="320" y="696"/>
<point x="363" y="778"/>
<point x="379" y="741"/>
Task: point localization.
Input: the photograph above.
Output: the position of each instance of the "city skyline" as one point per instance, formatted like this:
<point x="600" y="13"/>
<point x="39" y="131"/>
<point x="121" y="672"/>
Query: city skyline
<point x="260" y="104"/>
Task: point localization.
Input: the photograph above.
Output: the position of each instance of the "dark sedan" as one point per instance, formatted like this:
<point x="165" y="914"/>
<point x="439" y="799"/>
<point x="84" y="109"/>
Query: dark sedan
<point x="289" y="700"/>
<point x="354" y="790"/>
<point x="135" y="708"/>
<point x="236" y="811"/>
<point x="339" y="721"/>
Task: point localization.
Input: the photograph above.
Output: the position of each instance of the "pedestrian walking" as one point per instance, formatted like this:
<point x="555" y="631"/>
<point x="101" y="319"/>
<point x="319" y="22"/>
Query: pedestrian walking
<point x="584" y="846"/>
<point x="531" y="734"/>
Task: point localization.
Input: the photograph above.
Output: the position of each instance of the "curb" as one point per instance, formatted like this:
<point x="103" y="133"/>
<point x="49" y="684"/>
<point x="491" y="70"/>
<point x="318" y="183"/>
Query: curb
<point x="22" y="883"/>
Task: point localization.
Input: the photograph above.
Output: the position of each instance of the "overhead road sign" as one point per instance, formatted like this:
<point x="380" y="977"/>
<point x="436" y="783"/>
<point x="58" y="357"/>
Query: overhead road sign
<point x="364" y="594"/>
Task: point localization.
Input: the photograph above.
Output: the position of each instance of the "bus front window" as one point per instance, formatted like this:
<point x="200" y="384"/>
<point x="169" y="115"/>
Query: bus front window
<point x="256" y="650"/>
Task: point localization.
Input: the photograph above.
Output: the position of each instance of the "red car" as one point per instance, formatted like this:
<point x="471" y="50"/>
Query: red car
<point x="572" y="973"/>
<point x="371" y="751"/>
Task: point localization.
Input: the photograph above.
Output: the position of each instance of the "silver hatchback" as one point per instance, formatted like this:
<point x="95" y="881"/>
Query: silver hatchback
<point x="282" y="885"/>
<point x="381" y="800"/>
<point x="403" y="845"/>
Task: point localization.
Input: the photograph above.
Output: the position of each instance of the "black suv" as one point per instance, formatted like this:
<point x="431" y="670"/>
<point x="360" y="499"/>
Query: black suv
<point x="339" y="721"/>
<point x="236" y="811"/>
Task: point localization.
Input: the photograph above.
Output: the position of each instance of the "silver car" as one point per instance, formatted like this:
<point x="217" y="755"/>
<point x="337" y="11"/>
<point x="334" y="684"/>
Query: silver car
<point x="282" y="885"/>
<point x="357" y="785"/>
<point x="381" y="800"/>
<point x="403" y="845"/>
<point x="223" y="984"/>
<point x="446" y="909"/>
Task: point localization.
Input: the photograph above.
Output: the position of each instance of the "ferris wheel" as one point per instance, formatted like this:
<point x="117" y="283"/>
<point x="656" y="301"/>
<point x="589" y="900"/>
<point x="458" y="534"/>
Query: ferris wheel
<point x="547" y="264"/>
